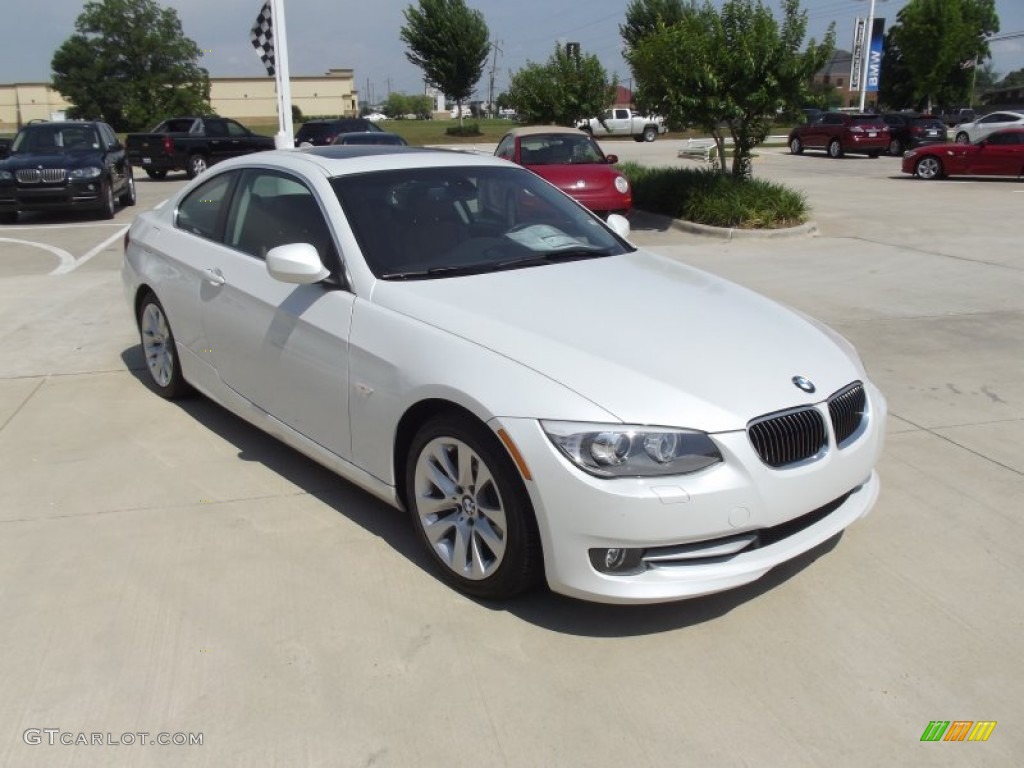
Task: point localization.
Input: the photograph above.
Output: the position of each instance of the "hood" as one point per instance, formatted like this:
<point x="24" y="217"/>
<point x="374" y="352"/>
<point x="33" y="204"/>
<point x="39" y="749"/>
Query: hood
<point x="61" y="158"/>
<point x="643" y="336"/>
<point x="578" y="178"/>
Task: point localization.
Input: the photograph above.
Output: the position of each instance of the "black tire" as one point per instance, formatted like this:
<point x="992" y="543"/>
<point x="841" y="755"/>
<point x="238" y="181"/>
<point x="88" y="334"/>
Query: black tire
<point x="158" y="175"/>
<point x="157" y="340"/>
<point x="197" y="163"/>
<point x="650" y="133"/>
<point x="896" y="147"/>
<point x="796" y="147"/>
<point x="929" y="168"/>
<point x="470" y="508"/>
<point x="963" y="138"/>
<point x="9" y="217"/>
<point x="107" y="207"/>
<point x="874" y="155"/>
<point x="835" y="149"/>
<point x="129" y="197"/>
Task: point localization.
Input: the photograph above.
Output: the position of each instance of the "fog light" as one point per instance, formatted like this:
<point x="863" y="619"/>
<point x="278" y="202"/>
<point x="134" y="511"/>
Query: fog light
<point x="617" y="560"/>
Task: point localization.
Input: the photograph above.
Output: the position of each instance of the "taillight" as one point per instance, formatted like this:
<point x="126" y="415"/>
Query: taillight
<point x="168" y="145"/>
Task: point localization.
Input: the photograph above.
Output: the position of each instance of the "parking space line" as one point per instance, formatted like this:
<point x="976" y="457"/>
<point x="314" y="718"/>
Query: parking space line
<point x="67" y="261"/>
<point x="64" y="268"/>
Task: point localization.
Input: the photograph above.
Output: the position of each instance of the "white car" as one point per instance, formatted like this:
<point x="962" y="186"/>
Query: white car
<point x="968" y="133"/>
<point x="458" y="337"/>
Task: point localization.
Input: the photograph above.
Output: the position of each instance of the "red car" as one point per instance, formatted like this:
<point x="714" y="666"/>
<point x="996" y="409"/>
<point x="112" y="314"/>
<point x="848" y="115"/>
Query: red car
<point x="572" y="161"/>
<point x="839" y="133"/>
<point x="998" y="154"/>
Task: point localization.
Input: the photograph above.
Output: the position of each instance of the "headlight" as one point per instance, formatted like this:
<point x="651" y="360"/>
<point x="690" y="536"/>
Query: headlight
<point x="91" y="172"/>
<point x="621" y="450"/>
<point x="6" y="176"/>
<point x="621" y="184"/>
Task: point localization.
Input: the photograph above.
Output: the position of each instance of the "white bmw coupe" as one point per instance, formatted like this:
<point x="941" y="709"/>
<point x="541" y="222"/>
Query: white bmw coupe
<point x="549" y="403"/>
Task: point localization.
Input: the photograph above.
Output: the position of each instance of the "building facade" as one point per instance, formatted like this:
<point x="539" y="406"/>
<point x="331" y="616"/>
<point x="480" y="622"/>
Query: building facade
<point x="242" y="98"/>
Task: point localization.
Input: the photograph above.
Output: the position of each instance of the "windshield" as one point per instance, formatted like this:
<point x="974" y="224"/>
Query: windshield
<point x="559" y="149"/>
<point x="437" y="222"/>
<point x="56" y="138"/>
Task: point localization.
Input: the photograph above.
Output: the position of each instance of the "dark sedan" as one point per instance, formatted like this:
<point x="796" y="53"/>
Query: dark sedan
<point x="910" y="129"/>
<point x="65" y="166"/>
<point x="999" y="154"/>
<point x="320" y="133"/>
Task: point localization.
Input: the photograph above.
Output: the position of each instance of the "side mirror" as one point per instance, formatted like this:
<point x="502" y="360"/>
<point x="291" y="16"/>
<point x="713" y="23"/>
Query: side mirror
<point x="619" y="224"/>
<point x="297" y="263"/>
<point x="611" y="159"/>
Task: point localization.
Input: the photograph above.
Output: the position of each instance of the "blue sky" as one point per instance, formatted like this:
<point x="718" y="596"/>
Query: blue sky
<point x="364" y="36"/>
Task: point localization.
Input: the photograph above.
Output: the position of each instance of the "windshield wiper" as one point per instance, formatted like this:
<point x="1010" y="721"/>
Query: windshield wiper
<point x="551" y="257"/>
<point x="446" y="271"/>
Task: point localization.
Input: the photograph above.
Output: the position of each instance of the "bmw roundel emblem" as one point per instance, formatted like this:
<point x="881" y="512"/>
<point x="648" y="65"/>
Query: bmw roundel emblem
<point x="804" y="383"/>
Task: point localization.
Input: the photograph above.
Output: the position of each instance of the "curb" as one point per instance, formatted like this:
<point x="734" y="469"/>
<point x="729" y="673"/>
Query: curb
<point x="810" y="229"/>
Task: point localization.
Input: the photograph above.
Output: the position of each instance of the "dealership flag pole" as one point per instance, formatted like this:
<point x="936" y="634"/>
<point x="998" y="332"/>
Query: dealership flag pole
<point x="271" y="43"/>
<point x="867" y="55"/>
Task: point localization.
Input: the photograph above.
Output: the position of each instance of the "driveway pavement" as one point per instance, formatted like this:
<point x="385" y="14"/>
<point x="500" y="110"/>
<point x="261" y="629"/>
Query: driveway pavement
<point x="166" y="569"/>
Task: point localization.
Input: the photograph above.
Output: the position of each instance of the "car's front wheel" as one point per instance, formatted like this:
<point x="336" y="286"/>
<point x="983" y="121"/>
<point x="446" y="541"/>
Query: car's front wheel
<point x="128" y="197"/>
<point x="158" y="346"/>
<point x="928" y="167"/>
<point x="963" y="138"/>
<point x="158" y="175"/>
<point x="835" y="149"/>
<point x="470" y="508"/>
<point x="796" y="146"/>
<point x="107" y="207"/>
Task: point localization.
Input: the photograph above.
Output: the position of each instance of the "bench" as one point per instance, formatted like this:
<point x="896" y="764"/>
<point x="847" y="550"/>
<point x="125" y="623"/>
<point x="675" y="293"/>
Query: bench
<point x="698" y="149"/>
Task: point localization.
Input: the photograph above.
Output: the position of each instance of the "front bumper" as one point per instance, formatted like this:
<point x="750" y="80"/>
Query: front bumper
<point x="71" y="195"/>
<point x="687" y="525"/>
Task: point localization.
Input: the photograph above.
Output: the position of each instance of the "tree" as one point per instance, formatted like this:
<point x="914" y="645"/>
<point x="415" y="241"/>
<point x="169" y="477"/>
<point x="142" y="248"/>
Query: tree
<point x="568" y="88"/>
<point x="399" y="105"/>
<point x="728" y="72"/>
<point x="643" y="18"/>
<point x="130" y="63"/>
<point x="450" y="43"/>
<point x="938" y="65"/>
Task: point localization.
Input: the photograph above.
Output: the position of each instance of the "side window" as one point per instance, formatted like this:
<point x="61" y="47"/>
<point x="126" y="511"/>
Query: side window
<point x="622" y="114"/>
<point x="201" y="213"/>
<point x="272" y="209"/>
<point x="234" y="129"/>
<point x="216" y="128"/>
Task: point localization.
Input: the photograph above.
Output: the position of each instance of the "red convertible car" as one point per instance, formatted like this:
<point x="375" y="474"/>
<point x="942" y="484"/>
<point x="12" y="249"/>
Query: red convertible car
<point x="572" y="161"/>
<point x="998" y="154"/>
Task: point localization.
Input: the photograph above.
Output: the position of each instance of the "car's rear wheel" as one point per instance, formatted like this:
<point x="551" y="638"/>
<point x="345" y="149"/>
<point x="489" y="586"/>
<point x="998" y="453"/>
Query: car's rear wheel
<point x="896" y="147"/>
<point x="197" y="163"/>
<point x="158" y="175"/>
<point x="107" y="207"/>
<point x="928" y="167"/>
<point x="470" y="508"/>
<point x="650" y="133"/>
<point x="796" y="146"/>
<point x="9" y="217"/>
<point x="963" y="138"/>
<point x="158" y="346"/>
<point x="128" y="197"/>
<point x="835" y="149"/>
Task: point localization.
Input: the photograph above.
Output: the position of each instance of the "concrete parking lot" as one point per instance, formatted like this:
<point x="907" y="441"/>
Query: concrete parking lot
<point x="166" y="569"/>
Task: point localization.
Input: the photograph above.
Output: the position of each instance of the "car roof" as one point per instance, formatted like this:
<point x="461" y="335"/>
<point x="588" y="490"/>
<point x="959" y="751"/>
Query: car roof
<point x="345" y="159"/>
<point x="533" y="130"/>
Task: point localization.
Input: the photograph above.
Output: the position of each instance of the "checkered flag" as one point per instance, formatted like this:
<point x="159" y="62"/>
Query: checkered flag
<point x="263" y="37"/>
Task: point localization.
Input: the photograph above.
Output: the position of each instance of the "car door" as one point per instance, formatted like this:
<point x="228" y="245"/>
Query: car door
<point x="1000" y="155"/>
<point x="282" y="347"/>
<point x="217" y="140"/>
<point x="241" y="141"/>
<point x="115" y="157"/>
<point x="991" y="123"/>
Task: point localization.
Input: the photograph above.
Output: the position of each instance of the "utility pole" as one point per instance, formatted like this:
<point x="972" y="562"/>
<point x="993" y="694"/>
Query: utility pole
<point x="496" y="49"/>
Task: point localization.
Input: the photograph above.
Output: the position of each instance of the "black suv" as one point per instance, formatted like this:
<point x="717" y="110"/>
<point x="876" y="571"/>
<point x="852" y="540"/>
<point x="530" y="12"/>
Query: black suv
<point x="61" y="166"/>
<point x="908" y="130"/>
<point x="320" y="133"/>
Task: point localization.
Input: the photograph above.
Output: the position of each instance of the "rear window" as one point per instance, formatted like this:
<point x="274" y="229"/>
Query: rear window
<point x="929" y="122"/>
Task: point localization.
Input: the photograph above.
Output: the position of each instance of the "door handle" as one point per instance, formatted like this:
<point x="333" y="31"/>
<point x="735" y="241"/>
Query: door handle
<point x="214" y="276"/>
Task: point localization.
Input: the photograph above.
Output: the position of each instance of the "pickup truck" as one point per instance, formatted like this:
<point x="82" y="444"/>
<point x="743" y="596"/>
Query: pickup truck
<point x="620" y="121"/>
<point x="191" y="144"/>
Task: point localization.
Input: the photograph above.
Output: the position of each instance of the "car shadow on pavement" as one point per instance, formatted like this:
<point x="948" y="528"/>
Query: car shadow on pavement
<point x="539" y="607"/>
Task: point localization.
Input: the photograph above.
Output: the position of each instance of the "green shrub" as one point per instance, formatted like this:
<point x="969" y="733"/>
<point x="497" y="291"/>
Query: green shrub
<point x="713" y="198"/>
<point x="466" y="129"/>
